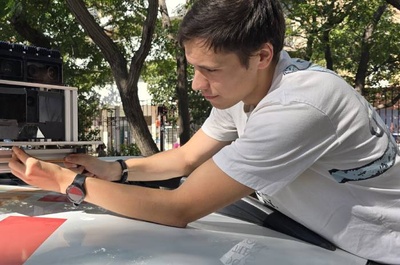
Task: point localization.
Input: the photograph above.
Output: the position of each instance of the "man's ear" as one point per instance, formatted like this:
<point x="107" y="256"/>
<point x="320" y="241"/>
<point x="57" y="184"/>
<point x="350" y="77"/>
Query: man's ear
<point x="266" y="55"/>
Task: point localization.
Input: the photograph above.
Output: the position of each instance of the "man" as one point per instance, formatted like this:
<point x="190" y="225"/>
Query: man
<point x="294" y="132"/>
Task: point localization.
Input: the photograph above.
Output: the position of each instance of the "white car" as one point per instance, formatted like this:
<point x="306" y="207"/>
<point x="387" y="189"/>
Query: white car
<point x="40" y="227"/>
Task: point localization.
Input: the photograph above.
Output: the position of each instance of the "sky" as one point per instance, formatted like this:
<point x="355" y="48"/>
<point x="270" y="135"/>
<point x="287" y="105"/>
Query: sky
<point x="172" y="4"/>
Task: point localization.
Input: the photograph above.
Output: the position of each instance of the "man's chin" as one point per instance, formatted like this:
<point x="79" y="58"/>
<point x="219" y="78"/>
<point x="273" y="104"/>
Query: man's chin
<point x="223" y="105"/>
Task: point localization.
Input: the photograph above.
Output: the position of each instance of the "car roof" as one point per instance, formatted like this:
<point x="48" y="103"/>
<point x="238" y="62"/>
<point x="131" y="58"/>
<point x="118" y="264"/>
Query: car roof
<point x="92" y="235"/>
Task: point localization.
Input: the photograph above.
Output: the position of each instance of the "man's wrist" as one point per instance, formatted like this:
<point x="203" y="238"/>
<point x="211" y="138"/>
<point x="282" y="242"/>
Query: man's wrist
<point x="66" y="180"/>
<point x="124" y="171"/>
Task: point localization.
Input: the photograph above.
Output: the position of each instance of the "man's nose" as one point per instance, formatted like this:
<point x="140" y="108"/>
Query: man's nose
<point x="199" y="82"/>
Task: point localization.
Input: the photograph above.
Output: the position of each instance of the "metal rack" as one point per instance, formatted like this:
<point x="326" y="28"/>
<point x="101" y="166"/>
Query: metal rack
<point x="45" y="149"/>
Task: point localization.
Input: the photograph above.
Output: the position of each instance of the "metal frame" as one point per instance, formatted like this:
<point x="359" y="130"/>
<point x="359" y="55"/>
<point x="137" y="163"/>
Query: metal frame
<point x="44" y="149"/>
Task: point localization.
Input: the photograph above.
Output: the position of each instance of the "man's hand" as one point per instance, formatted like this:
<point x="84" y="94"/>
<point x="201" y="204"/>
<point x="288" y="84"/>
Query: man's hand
<point x="32" y="171"/>
<point x="93" y="167"/>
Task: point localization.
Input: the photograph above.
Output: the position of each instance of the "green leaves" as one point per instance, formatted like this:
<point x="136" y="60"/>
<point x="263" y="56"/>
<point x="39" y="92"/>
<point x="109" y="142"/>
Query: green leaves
<point x="316" y="25"/>
<point x="313" y="28"/>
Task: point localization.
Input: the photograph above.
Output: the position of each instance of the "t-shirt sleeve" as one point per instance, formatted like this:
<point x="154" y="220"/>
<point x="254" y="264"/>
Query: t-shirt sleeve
<point x="220" y="125"/>
<point x="279" y="143"/>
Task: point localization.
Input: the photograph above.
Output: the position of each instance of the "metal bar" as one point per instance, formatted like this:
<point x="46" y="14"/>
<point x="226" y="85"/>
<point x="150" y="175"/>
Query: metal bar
<point x="40" y="85"/>
<point x="67" y="115"/>
<point x="49" y="143"/>
<point x="74" y="118"/>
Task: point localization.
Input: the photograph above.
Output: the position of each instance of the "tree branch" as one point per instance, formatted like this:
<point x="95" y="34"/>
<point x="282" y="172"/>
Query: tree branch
<point x="393" y="101"/>
<point x="394" y="3"/>
<point x="181" y="69"/>
<point x="109" y="49"/>
<point x="365" y="49"/>
<point x="145" y="45"/>
<point x="20" y="24"/>
<point x="126" y="83"/>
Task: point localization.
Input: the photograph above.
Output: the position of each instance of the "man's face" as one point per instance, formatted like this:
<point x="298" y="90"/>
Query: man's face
<point x="222" y="79"/>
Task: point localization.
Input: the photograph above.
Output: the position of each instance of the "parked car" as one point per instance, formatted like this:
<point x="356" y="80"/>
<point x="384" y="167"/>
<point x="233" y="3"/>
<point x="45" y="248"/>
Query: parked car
<point x="40" y="227"/>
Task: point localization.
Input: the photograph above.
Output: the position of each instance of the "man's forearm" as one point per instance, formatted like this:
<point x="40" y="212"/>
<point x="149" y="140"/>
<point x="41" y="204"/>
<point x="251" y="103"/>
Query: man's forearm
<point x="198" y="196"/>
<point x="154" y="205"/>
<point x="176" y="162"/>
<point x="161" y="166"/>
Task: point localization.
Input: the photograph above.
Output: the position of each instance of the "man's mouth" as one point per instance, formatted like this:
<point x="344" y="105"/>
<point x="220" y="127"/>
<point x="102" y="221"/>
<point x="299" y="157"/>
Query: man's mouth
<point x="209" y="97"/>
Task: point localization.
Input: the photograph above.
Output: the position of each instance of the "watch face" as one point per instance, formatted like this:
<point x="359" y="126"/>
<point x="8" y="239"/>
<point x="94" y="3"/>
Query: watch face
<point x="75" y="194"/>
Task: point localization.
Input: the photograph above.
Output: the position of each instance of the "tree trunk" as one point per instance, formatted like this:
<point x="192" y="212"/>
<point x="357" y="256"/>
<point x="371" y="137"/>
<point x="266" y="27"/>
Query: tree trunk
<point x="125" y="81"/>
<point x="365" y="48"/>
<point x="310" y="40"/>
<point x="183" y="99"/>
<point x="334" y="17"/>
<point x="20" y="24"/>
<point x="181" y="70"/>
<point x="327" y="49"/>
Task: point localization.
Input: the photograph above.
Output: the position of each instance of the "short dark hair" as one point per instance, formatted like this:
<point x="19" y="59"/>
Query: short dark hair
<point x="239" y="26"/>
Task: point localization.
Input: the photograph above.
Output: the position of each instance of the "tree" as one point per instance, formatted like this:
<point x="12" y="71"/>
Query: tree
<point x="366" y="43"/>
<point x="112" y="40"/>
<point x="126" y="80"/>
<point x="332" y="33"/>
<point x="38" y="23"/>
<point x="394" y="3"/>
<point x="181" y="71"/>
<point x="339" y="33"/>
<point x="167" y="74"/>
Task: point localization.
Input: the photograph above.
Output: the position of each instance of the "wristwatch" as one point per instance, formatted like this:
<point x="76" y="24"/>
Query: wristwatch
<point x="76" y="192"/>
<point x="124" y="174"/>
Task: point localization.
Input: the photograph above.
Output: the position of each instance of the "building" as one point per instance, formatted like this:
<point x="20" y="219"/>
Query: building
<point x="115" y="131"/>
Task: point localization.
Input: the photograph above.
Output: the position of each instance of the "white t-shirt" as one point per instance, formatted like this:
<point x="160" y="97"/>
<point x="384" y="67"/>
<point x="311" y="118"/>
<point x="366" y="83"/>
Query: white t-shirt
<point x="317" y="151"/>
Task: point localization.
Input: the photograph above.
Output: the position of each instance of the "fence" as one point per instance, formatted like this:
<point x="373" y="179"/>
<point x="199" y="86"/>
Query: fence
<point x="116" y="133"/>
<point x="386" y="102"/>
<point x="115" y="130"/>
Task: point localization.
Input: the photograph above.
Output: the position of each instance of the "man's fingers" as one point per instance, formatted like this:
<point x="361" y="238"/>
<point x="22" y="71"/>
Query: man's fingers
<point x="21" y="161"/>
<point x="72" y="161"/>
<point x="75" y="158"/>
<point x="71" y="166"/>
<point x="20" y="154"/>
<point x="89" y="174"/>
<point x="16" y="166"/>
<point x="77" y="169"/>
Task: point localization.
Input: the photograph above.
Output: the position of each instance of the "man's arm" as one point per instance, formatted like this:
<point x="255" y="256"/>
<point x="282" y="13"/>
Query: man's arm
<point x="175" y="162"/>
<point x="206" y="189"/>
<point x="164" y="165"/>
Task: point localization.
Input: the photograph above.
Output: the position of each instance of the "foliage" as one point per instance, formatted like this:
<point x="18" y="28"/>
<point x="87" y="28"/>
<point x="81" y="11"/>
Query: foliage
<point x="125" y="150"/>
<point x="160" y="74"/>
<point x="130" y="150"/>
<point x="308" y="23"/>
<point x="346" y="22"/>
<point x="83" y="67"/>
<point x="88" y="107"/>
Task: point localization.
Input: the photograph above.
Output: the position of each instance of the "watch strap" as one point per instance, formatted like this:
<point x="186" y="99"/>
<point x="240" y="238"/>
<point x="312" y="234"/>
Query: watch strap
<point x="124" y="174"/>
<point x="80" y="180"/>
<point x="78" y="183"/>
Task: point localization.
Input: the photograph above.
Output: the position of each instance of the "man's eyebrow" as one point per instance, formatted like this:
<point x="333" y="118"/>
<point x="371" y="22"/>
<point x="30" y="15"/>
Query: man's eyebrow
<point x="203" y="66"/>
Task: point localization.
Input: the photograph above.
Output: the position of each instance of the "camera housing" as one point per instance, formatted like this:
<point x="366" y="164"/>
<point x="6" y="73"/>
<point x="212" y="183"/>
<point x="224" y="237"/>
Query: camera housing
<point x="30" y="64"/>
<point x="31" y="113"/>
<point x="37" y="112"/>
